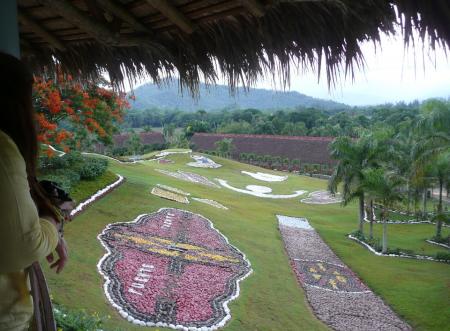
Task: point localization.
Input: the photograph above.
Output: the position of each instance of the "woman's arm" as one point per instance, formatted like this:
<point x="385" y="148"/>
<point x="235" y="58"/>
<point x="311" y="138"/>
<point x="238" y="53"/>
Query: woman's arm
<point x="24" y="237"/>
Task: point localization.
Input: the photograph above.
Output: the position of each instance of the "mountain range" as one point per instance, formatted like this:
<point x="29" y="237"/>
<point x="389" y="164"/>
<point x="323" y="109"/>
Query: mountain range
<point x="218" y="97"/>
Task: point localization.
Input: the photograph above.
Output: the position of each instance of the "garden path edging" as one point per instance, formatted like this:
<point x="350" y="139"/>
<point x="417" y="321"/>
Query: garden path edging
<point x="372" y="250"/>
<point x="96" y="196"/>
<point x="436" y="243"/>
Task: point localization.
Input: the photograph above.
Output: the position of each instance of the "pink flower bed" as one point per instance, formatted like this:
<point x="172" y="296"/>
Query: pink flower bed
<point x="171" y="269"/>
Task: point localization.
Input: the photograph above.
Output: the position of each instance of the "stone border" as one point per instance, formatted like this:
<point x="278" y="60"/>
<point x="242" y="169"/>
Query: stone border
<point x="99" y="194"/>
<point x="125" y="315"/>
<point x="411" y="221"/>
<point x="436" y="243"/>
<point x="415" y="257"/>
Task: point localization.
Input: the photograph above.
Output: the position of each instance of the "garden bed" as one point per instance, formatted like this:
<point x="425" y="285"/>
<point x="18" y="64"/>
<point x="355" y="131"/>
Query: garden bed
<point x="159" y="192"/>
<point x="337" y="296"/>
<point x="322" y="197"/>
<point x="189" y="177"/>
<point x="203" y="162"/>
<point x="171" y="269"/>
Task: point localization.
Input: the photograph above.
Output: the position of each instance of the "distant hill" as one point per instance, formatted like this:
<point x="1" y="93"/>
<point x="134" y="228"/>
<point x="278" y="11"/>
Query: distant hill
<point x="218" y="97"/>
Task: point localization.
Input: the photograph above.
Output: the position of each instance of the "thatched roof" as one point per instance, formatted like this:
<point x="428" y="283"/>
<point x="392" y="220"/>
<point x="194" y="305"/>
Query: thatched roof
<point x="193" y="39"/>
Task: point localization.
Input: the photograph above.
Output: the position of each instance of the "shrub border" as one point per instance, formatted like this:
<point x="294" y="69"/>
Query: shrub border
<point x="416" y="257"/>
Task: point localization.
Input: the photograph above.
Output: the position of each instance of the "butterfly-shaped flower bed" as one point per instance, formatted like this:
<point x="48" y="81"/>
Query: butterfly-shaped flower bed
<point x="171" y="269"/>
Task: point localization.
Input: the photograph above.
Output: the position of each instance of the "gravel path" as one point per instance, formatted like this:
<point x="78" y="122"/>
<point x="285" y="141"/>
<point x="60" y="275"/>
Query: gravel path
<point x="337" y="296"/>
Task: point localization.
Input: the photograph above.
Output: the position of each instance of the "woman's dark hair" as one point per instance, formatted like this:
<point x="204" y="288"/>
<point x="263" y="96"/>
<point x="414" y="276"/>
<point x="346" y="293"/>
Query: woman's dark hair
<point x="17" y="120"/>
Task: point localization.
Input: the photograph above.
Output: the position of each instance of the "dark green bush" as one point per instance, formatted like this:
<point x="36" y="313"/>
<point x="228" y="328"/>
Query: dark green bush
<point x="65" y="178"/>
<point x="67" y="170"/>
<point x="76" y="320"/>
<point x="92" y="168"/>
<point x="443" y="256"/>
<point x="359" y="235"/>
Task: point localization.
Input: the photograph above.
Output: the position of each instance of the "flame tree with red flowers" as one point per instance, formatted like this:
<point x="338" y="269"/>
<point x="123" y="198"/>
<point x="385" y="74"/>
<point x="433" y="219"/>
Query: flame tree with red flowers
<point x="72" y="116"/>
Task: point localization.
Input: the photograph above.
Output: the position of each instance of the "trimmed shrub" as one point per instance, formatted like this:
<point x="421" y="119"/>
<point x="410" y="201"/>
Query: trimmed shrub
<point x="65" y="178"/>
<point x="75" y="320"/>
<point x="92" y="168"/>
<point x="443" y="256"/>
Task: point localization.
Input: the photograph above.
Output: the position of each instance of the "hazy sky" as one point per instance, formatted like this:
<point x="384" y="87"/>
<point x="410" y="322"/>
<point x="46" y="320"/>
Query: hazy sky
<point x="392" y="74"/>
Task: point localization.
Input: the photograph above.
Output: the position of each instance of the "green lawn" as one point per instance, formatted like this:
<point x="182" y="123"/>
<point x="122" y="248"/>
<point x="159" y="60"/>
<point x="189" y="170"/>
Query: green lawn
<point x="86" y="188"/>
<point x="270" y="298"/>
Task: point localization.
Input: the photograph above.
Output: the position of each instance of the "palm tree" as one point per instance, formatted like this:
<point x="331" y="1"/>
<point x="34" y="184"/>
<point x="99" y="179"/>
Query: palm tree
<point x="369" y="213"/>
<point x="224" y="147"/>
<point x="433" y="128"/>
<point x="352" y="159"/>
<point x="355" y="155"/>
<point x="243" y="157"/>
<point x="385" y="188"/>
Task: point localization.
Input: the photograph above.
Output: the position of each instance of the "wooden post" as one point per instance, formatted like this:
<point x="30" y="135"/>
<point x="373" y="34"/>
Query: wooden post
<point x="9" y="28"/>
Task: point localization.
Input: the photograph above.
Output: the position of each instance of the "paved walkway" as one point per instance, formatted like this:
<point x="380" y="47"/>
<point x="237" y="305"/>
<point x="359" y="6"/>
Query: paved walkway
<point x="337" y="296"/>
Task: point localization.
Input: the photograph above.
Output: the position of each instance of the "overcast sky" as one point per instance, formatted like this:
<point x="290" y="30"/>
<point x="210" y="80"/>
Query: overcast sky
<point x="392" y="74"/>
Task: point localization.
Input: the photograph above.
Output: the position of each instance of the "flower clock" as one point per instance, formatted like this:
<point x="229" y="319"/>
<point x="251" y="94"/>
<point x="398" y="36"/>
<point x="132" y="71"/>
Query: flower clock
<point x="171" y="269"/>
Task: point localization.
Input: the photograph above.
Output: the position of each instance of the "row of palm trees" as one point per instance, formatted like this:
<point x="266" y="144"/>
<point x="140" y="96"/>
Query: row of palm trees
<point x="395" y="165"/>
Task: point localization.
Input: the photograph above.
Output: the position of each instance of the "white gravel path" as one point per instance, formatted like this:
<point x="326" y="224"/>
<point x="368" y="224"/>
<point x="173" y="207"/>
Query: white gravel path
<point x="265" y="176"/>
<point x="224" y="183"/>
<point x="337" y="296"/>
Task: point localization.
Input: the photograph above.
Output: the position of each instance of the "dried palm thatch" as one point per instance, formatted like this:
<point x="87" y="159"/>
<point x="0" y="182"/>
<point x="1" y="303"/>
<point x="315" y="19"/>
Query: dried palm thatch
<point x="200" y="39"/>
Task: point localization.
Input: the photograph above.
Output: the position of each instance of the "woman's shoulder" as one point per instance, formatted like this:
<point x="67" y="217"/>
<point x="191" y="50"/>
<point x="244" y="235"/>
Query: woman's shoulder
<point x="9" y="153"/>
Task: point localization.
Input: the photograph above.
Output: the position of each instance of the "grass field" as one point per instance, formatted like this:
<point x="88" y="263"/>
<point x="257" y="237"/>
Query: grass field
<point x="270" y="298"/>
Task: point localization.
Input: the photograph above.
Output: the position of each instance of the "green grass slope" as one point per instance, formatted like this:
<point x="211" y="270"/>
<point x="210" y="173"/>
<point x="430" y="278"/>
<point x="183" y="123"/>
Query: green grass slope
<point x="270" y="298"/>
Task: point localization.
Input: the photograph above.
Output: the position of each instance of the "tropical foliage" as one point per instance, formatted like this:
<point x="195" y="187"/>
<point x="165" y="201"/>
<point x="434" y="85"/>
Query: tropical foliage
<point x="71" y="115"/>
<point x="396" y="164"/>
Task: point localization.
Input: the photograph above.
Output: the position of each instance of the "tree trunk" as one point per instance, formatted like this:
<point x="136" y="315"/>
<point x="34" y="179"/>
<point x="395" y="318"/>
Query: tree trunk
<point x="371" y="219"/>
<point x="361" y="213"/>
<point x="384" y="217"/>
<point x="424" y="202"/>
<point x="439" y="211"/>
<point x="408" y="208"/>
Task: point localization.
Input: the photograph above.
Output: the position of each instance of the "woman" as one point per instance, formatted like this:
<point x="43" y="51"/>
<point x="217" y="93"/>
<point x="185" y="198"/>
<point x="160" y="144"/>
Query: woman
<point x="28" y="221"/>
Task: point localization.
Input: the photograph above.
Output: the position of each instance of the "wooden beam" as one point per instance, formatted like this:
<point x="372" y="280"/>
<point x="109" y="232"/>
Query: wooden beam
<point x="119" y="11"/>
<point x="254" y="7"/>
<point x="40" y="31"/>
<point x="173" y="14"/>
<point x="81" y="20"/>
